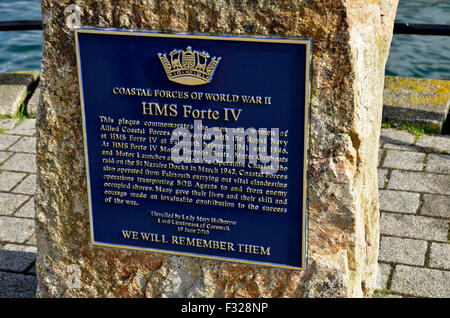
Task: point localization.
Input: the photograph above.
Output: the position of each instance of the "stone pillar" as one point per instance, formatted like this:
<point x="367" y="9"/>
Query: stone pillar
<point x="351" y="40"/>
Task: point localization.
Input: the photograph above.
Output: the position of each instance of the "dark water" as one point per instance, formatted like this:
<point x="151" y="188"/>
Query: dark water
<point x="20" y="50"/>
<point x="420" y="55"/>
<point x="411" y="55"/>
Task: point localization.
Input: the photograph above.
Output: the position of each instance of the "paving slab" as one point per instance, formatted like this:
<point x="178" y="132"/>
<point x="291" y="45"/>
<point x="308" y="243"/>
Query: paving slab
<point x="418" y="281"/>
<point x="17" y="285"/>
<point x="436" y="205"/>
<point x="4" y="155"/>
<point x="31" y="241"/>
<point x="27" y="186"/>
<point x="27" y="210"/>
<point x="440" y="256"/>
<point x="380" y="156"/>
<point x="16" y="261"/>
<point x="403" y="251"/>
<point x="32" y="270"/>
<point x="20" y="248"/>
<point x="384" y="295"/>
<point x="395" y="136"/>
<point x="8" y="123"/>
<point x="24" y="144"/>
<point x="405" y="160"/>
<point x="33" y="102"/>
<point x="8" y="180"/>
<point x="416" y="100"/>
<point x="11" y="202"/>
<point x="399" y="201"/>
<point x="419" y="182"/>
<point x="13" y="90"/>
<point x="16" y="230"/>
<point x="438" y="163"/>
<point x="414" y="226"/>
<point x="7" y="141"/>
<point x="20" y="162"/>
<point x="437" y="143"/>
<point x="382" y="177"/>
<point x="401" y="147"/>
<point x="384" y="270"/>
<point x="26" y="127"/>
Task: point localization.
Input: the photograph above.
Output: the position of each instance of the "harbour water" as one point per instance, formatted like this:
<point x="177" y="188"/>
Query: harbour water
<point x="420" y="55"/>
<point x="410" y="55"/>
<point x="20" y="50"/>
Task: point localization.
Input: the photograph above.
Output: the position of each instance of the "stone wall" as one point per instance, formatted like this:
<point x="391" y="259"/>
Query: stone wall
<point x="351" y="44"/>
<point x="419" y="101"/>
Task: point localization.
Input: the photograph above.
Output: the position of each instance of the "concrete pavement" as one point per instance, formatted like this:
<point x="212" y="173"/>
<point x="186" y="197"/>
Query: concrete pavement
<point x="414" y="187"/>
<point x="17" y="184"/>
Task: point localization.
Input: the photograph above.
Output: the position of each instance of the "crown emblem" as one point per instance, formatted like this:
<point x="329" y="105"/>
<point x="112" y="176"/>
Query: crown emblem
<point x="189" y="67"/>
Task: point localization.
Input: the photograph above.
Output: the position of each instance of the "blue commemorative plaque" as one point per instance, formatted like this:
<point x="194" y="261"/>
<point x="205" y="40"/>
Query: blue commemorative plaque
<point x="196" y="145"/>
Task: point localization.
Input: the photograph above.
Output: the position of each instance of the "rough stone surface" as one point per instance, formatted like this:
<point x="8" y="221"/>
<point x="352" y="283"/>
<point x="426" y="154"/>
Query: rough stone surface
<point x="351" y="44"/>
<point x="13" y="90"/>
<point x="416" y="100"/>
